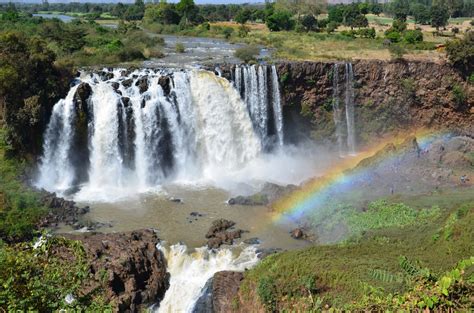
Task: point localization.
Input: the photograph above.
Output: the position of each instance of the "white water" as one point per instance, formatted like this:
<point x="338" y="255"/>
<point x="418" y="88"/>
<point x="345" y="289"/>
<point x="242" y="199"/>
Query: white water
<point x="191" y="270"/>
<point x="347" y="132"/>
<point x="202" y="131"/>
<point x="349" y="103"/>
<point x="55" y="167"/>
<point x="262" y="95"/>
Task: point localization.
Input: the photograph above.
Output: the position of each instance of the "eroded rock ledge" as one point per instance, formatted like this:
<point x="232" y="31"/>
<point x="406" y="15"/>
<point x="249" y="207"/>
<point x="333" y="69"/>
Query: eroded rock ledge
<point x="127" y="265"/>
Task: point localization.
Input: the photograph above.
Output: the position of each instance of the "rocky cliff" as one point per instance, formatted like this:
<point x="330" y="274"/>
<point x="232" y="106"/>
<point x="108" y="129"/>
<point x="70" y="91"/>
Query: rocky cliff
<point x="388" y="96"/>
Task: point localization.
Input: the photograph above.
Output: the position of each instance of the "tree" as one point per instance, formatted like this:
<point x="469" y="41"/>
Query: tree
<point x="421" y="13"/>
<point x="243" y="16"/>
<point x="280" y="20"/>
<point x="309" y="22"/>
<point x="360" y="21"/>
<point x="188" y="11"/>
<point x="461" y="53"/>
<point x="401" y="9"/>
<point x="439" y="16"/>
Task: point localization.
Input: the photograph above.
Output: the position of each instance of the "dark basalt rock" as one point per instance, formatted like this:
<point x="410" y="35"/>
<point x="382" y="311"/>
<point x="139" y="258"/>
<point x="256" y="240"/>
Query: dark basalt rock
<point x="127" y="83"/>
<point x="104" y="76"/>
<point x="252" y="241"/>
<point x="135" y="270"/>
<point x="165" y="83"/>
<point x="60" y="211"/>
<point x="142" y="84"/>
<point x="115" y="85"/>
<point x="298" y="233"/>
<point x="204" y="303"/>
<point x="269" y="193"/>
<point x="219" y="234"/>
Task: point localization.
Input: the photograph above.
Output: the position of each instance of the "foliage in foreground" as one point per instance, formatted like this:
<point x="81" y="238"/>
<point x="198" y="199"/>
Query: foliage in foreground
<point x="43" y="276"/>
<point x="20" y="209"/>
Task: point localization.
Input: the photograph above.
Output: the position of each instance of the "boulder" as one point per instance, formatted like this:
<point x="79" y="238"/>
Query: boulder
<point x="142" y="84"/>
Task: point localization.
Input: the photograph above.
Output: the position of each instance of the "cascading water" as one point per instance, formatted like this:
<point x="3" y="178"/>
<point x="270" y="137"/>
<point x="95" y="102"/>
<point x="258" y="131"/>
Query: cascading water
<point x="190" y="272"/>
<point x="345" y="129"/>
<point x="148" y="127"/>
<point x="349" y="103"/>
<point x="262" y="97"/>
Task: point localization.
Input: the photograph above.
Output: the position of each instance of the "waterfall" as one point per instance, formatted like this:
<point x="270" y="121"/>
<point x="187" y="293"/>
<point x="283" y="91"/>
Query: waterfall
<point x="149" y="127"/>
<point x="276" y="101"/>
<point x="349" y="103"/>
<point x="345" y="129"/>
<point x="261" y="95"/>
<point x="56" y="170"/>
<point x="191" y="270"/>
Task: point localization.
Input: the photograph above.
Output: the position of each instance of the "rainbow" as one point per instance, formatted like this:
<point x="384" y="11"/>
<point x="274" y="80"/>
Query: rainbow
<point x="338" y="178"/>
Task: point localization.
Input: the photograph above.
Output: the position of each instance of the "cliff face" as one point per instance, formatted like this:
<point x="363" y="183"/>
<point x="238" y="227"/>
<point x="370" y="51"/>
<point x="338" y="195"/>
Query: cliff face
<point x="388" y="96"/>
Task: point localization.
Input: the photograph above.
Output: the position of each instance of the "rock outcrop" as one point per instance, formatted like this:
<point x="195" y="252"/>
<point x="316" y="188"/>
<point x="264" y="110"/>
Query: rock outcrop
<point x="389" y="96"/>
<point x="60" y="210"/>
<point x="128" y="265"/>
<point x="219" y="233"/>
<point x="269" y="193"/>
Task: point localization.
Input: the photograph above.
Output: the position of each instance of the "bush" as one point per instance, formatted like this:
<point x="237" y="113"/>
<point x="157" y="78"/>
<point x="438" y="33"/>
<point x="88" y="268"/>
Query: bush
<point x="179" y="48"/>
<point x="413" y="36"/>
<point x="331" y="27"/>
<point x="227" y="32"/>
<point x="397" y="51"/>
<point x="367" y="32"/>
<point x="461" y="53"/>
<point x="247" y="53"/>
<point x="393" y="36"/>
<point x="459" y="95"/>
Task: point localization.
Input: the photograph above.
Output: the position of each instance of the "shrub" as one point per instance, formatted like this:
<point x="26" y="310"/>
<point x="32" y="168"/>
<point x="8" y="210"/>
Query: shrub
<point x="413" y="36"/>
<point x="397" y="51"/>
<point x="367" y="32"/>
<point x="227" y="32"/>
<point x="461" y="53"/>
<point x="331" y="27"/>
<point x="393" y="36"/>
<point x="280" y="20"/>
<point x="247" y="53"/>
<point x="459" y="95"/>
<point x="179" y="48"/>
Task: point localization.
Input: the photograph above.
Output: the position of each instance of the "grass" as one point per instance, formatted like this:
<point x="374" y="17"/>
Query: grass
<point x="340" y="275"/>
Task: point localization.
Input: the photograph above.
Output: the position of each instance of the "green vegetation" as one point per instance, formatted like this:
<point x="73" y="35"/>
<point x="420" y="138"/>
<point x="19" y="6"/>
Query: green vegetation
<point x="396" y="257"/>
<point x="461" y="53"/>
<point x="38" y="277"/>
<point x="20" y="209"/>
<point x="247" y="53"/>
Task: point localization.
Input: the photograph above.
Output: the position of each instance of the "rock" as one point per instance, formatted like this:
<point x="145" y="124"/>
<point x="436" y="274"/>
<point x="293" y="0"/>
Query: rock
<point x="263" y="253"/>
<point x="60" y="211"/>
<point x="104" y="75"/>
<point x="127" y="83"/>
<point x="115" y="85"/>
<point x="142" y="84"/>
<point x="204" y="303"/>
<point x="134" y="267"/>
<point x="225" y="287"/>
<point x="165" y="83"/>
<point x="218" y="226"/>
<point x="256" y="199"/>
<point x="219" y="234"/>
<point x="269" y="193"/>
<point x="297" y="233"/>
<point x="252" y="241"/>
<point x="176" y="200"/>
<point x="125" y="101"/>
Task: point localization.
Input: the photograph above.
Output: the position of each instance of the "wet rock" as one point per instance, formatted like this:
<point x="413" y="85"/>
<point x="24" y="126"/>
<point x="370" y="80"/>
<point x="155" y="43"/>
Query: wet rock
<point x="297" y="233"/>
<point x="60" y="210"/>
<point x="104" y="76"/>
<point x="115" y="85"/>
<point x="219" y="234"/>
<point x="125" y="101"/>
<point x="142" y="84"/>
<point x="252" y="241"/>
<point x="176" y="200"/>
<point x="263" y="253"/>
<point x="165" y="83"/>
<point x="135" y="270"/>
<point x="127" y="83"/>
<point x="256" y="199"/>
<point x="219" y="226"/>
<point x="269" y="193"/>
<point x="196" y="214"/>
<point x="204" y="303"/>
